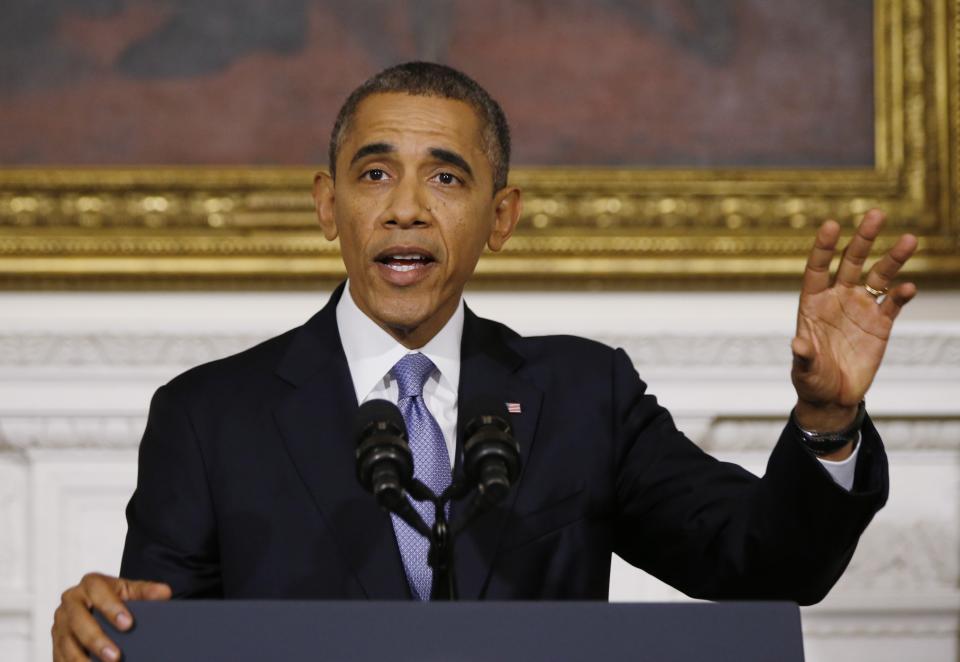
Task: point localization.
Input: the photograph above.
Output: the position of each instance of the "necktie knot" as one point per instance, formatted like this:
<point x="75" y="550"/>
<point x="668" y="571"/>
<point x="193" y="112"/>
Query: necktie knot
<point x="411" y="373"/>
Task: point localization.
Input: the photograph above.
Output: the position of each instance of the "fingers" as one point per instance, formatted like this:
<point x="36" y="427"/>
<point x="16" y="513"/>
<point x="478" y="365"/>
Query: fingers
<point x="66" y="649"/>
<point x="896" y="299"/>
<point x="140" y="590"/>
<point x="86" y="632"/>
<point x="887" y="267"/>
<point x="816" y="277"/>
<point x="858" y="250"/>
<point x="104" y="594"/>
<point x="74" y="627"/>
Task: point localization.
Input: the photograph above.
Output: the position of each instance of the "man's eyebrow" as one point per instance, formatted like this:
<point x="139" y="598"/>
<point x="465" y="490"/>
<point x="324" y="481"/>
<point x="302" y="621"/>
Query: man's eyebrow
<point x="452" y="158"/>
<point x="372" y="148"/>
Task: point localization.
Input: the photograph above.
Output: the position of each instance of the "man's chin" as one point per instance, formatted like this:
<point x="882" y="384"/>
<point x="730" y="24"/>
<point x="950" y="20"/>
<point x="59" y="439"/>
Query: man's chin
<point x="403" y="311"/>
<point x="400" y="314"/>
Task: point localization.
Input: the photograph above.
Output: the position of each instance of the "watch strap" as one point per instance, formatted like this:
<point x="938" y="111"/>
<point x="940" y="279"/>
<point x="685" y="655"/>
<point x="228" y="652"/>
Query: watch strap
<point x="825" y="443"/>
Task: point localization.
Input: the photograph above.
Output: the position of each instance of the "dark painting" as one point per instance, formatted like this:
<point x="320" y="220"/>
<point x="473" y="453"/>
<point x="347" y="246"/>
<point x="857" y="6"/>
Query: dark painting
<point x="691" y="83"/>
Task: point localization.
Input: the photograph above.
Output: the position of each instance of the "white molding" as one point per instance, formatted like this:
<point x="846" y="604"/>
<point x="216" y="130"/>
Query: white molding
<point x="899" y="558"/>
<point x="15" y="633"/>
<point x="721" y="434"/>
<point x="729" y="434"/>
<point x="68" y="492"/>
<point x="742" y="349"/>
<point x="41" y="348"/>
<point x="15" y="602"/>
<point x="54" y="431"/>
<point x="733" y="348"/>
<point x="13" y="525"/>
<point x="890" y="625"/>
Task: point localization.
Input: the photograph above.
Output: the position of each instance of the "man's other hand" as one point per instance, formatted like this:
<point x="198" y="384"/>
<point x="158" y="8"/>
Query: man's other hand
<point x="843" y="327"/>
<point x="76" y="634"/>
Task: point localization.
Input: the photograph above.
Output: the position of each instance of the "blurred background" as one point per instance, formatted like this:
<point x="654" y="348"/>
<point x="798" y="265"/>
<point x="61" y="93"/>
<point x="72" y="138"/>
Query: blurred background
<point x="677" y="155"/>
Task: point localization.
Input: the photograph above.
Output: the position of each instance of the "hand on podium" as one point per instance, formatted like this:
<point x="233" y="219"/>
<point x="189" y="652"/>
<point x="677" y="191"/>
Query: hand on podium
<point x="76" y="633"/>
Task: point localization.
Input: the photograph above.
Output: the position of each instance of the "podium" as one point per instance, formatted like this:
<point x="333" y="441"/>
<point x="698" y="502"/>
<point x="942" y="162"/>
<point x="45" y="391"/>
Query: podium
<point x="243" y="631"/>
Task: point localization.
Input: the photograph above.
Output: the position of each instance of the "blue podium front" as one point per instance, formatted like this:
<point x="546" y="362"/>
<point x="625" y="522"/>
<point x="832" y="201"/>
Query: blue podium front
<point x="463" y="631"/>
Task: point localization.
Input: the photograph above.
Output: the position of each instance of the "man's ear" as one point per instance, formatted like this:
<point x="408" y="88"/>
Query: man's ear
<point x="506" y="216"/>
<point x="323" y="198"/>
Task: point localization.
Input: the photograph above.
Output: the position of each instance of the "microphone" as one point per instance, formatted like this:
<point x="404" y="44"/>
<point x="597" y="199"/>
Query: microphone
<point x="384" y="461"/>
<point x="491" y="456"/>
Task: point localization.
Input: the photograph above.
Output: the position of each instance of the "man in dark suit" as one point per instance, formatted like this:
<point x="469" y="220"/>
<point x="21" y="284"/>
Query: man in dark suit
<point x="246" y="484"/>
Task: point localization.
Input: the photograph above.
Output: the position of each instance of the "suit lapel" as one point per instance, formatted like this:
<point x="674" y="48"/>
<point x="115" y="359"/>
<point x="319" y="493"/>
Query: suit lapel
<point x="489" y="367"/>
<point x="316" y="421"/>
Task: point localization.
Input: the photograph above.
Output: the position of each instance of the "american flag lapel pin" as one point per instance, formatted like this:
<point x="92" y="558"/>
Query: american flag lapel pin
<point x="513" y="407"/>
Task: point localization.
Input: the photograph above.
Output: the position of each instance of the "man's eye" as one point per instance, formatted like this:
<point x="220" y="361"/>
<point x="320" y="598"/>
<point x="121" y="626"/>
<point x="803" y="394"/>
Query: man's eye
<point x="446" y="178"/>
<point x="374" y="174"/>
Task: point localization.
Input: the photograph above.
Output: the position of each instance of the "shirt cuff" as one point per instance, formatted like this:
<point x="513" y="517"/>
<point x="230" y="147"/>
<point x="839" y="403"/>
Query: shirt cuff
<point x="843" y="471"/>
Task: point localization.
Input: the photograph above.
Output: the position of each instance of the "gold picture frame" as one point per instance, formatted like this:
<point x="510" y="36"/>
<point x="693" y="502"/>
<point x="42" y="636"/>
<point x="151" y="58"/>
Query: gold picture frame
<point x="150" y="227"/>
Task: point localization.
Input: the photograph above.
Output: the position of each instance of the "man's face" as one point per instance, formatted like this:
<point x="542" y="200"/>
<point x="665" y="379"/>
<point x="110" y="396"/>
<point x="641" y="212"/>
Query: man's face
<point x="413" y="208"/>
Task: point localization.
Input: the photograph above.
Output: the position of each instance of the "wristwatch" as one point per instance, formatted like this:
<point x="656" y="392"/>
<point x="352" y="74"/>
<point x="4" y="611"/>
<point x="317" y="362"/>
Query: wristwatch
<point x="825" y="443"/>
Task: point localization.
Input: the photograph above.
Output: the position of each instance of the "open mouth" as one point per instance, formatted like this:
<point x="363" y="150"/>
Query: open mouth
<point x="405" y="260"/>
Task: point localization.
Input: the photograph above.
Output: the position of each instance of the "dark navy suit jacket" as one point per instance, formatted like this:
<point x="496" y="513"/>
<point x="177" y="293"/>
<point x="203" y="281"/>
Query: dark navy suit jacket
<point x="246" y="485"/>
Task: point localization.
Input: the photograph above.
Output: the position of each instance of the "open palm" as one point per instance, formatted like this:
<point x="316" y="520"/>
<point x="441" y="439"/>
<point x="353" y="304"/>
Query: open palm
<point x="842" y="328"/>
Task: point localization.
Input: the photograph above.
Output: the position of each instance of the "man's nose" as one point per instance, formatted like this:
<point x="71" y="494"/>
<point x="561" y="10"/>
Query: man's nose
<point x="408" y="206"/>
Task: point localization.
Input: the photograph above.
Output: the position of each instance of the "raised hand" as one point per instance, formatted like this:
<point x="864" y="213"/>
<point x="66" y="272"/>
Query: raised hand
<point x="76" y="634"/>
<point x="843" y="327"/>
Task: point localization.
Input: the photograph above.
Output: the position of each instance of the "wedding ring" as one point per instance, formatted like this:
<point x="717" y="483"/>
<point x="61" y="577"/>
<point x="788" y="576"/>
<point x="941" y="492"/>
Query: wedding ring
<point x="876" y="294"/>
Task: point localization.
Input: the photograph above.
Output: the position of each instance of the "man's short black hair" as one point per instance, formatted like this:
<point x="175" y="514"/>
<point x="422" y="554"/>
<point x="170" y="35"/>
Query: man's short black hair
<point x="429" y="79"/>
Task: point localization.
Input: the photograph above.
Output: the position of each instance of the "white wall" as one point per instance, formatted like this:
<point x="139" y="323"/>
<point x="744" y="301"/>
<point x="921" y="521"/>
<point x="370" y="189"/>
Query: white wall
<point x="77" y="372"/>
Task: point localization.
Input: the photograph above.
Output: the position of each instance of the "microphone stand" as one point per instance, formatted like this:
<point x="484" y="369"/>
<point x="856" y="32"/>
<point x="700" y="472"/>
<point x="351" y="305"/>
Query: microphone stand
<point x="441" y="536"/>
<point x="385" y="468"/>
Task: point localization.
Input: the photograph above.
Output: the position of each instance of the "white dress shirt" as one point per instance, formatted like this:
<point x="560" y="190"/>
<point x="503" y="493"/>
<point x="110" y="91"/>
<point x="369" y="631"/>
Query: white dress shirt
<point x="371" y="353"/>
<point x="843" y="471"/>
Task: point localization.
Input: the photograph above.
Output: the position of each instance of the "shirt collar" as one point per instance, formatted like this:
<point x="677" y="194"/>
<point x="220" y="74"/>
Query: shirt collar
<point x="371" y="351"/>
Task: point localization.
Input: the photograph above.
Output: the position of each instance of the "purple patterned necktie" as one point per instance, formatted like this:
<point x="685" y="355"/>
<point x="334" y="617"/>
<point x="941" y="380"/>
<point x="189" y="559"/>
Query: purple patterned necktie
<point x="431" y="464"/>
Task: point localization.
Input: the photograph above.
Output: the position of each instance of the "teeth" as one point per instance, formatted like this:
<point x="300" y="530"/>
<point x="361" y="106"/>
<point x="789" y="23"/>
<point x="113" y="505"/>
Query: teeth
<point x="403" y="267"/>
<point x="408" y="257"/>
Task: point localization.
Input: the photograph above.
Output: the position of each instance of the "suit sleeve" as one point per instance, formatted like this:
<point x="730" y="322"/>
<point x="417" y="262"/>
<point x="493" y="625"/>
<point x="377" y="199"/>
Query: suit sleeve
<point x="716" y="531"/>
<point x="171" y="528"/>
